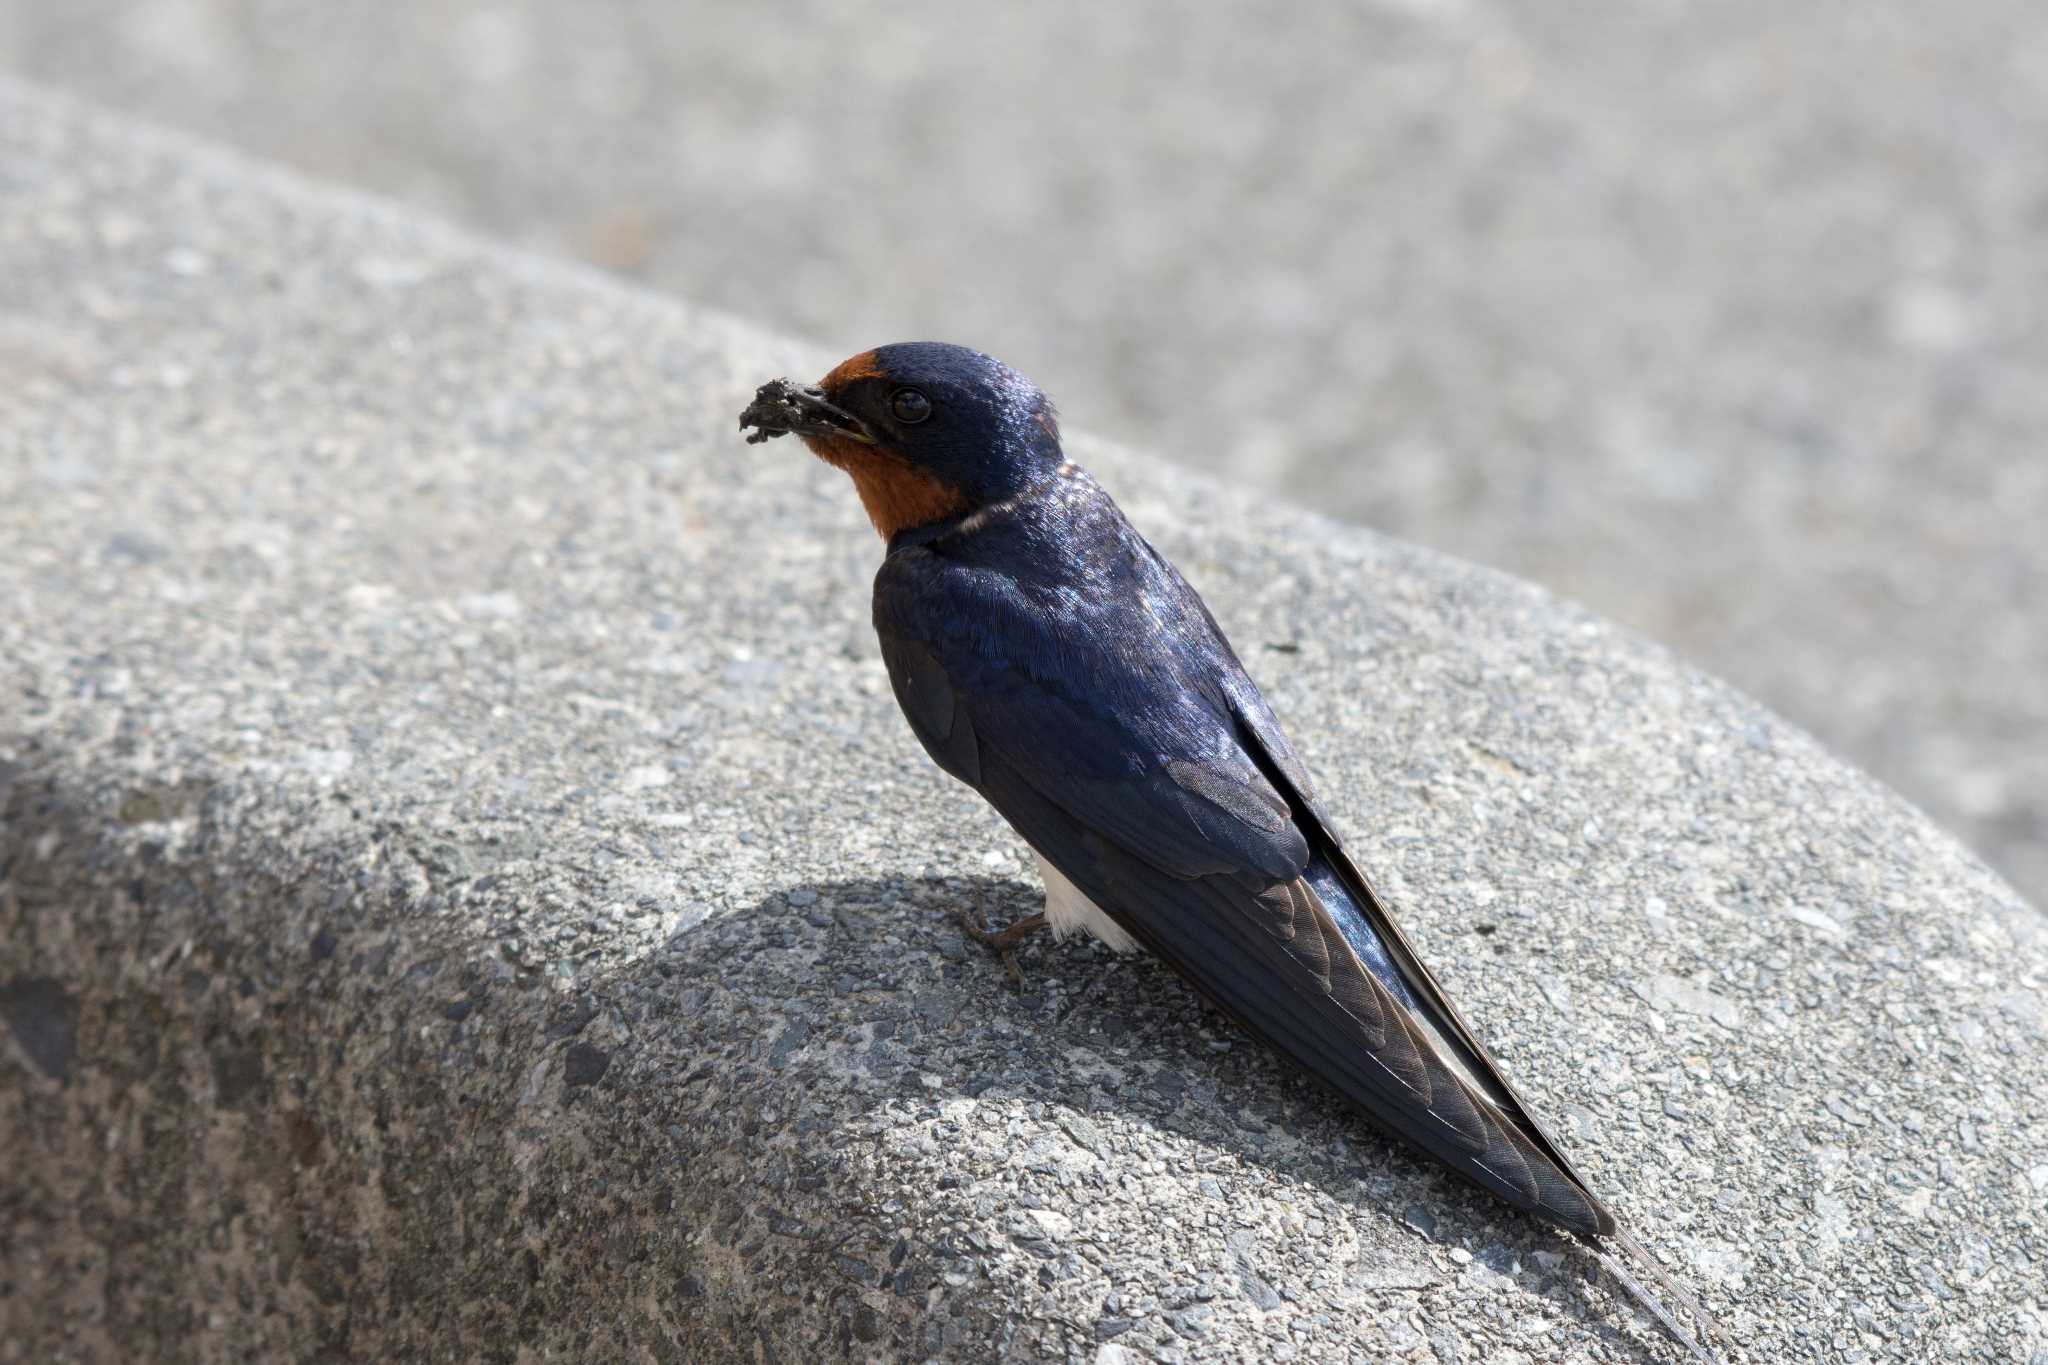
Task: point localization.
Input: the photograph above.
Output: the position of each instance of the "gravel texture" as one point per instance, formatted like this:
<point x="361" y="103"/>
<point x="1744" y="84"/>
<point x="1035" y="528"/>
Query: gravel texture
<point x="1725" y="319"/>
<point x="466" y="893"/>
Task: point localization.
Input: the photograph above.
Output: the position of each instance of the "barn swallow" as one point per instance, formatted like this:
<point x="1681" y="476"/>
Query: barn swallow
<point x="1047" y="656"/>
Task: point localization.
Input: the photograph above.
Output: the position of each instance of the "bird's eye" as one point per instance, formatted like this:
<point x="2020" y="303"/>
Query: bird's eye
<point x="909" y="405"/>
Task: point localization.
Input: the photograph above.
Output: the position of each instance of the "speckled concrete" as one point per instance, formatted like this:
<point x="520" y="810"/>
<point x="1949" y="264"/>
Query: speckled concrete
<point x="1725" y="319"/>
<point x="465" y="892"/>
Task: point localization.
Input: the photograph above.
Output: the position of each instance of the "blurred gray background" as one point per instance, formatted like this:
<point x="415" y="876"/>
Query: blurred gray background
<point x="1723" y="318"/>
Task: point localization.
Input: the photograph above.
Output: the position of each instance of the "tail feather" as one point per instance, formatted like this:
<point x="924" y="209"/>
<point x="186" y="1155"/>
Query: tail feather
<point x="1648" y="1301"/>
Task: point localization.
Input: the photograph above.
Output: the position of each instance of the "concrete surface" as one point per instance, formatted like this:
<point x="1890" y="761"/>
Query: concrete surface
<point x="466" y="893"/>
<point x="1725" y="319"/>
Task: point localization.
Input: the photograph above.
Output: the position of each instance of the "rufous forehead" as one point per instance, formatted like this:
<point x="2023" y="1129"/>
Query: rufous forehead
<point x="862" y="366"/>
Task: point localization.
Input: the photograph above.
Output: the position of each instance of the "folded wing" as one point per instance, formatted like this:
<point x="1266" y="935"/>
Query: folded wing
<point x="1129" y="750"/>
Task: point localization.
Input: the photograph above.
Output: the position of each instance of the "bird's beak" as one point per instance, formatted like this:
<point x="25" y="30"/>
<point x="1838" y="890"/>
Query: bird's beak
<point x="782" y="407"/>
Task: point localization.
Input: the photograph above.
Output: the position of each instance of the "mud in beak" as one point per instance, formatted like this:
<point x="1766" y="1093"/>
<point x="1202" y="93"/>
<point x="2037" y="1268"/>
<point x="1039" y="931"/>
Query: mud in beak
<point x="782" y="407"/>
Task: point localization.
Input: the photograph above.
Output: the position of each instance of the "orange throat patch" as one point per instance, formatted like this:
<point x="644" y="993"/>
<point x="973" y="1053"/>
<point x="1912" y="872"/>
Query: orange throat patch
<point x="895" y="494"/>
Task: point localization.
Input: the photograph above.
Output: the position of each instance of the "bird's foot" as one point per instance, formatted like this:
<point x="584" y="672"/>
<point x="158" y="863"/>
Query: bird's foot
<point x="1003" y="941"/>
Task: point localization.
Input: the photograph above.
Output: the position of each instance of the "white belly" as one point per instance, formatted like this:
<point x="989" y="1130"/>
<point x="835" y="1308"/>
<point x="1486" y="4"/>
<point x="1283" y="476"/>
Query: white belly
<point x="1069" y="912"/>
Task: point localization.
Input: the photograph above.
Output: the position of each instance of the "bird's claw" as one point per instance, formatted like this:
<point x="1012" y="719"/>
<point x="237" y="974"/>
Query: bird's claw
<point x="1003" y="941"/>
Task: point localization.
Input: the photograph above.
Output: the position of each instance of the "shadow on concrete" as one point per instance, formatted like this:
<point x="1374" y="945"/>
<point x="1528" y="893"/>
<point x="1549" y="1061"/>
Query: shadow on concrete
<point x="852" y="1012"/>
<point x="744" y="1143"/>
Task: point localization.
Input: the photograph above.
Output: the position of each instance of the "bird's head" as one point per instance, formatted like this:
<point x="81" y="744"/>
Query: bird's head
<point x="928" y="431"/>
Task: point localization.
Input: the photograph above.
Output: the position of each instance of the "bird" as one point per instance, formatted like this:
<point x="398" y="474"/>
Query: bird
<point x="1046" y="655"/>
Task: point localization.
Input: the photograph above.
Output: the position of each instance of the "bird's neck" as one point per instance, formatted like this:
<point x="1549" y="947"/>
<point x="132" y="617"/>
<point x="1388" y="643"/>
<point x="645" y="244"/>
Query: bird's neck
<point x="1036" y="517"/>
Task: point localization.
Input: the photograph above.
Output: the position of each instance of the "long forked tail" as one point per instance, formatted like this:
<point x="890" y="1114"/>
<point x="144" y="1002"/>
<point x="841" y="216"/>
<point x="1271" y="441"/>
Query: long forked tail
<point x="1648" y="1301"/>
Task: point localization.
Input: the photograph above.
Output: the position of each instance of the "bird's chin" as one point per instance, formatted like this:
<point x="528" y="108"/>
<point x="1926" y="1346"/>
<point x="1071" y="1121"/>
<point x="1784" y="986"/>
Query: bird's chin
<point x="839" y="448"/>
